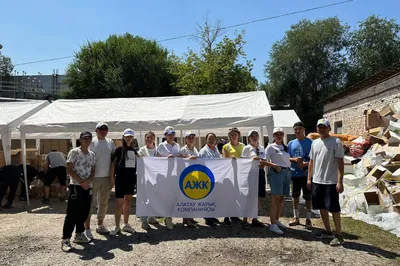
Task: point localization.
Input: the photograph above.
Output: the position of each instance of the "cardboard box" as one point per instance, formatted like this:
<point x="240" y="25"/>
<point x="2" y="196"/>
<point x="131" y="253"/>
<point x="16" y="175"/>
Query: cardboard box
<point x="372" y="119"/>
<point x="396" y="197"/>
<point x="384" y="122"/>
<point x="396" y="208"/>
<point x="379" y="172"/>
<point x="374" y="202"/>
<point x="375" y="131"/>
<point x="388" y="110"/>
<point x="375" y="140"/>
<point x="391" y="137"/>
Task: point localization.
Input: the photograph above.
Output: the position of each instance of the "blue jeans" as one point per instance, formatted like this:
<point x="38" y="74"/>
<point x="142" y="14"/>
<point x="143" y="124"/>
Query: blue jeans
<point x="280" y="182"/>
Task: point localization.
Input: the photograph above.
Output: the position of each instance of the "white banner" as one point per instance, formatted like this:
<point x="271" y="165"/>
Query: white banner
<point x="198" y="188"/>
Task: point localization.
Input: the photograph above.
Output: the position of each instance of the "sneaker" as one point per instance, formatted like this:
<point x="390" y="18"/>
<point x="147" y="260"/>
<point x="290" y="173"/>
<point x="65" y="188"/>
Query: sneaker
<point x="294" y="222"/>
<point x="128" y="228"/>
<point x="80" y="238"/>
<point x="210" y="222"/>
<point x="46" y="201"/>
<point x="115" y="231"/>
<point x="66" y="245"/>
<point x="89" y="234"/>
<point x="169" y="224"/>
<point x="153" y="221"/>
<point x="146" y="226"/>
<point x="337" y="241"/>
<point x="274" y="228"/>
<point x="280" y="225"/>
<point x="102" y="230"/>
<point x="227" y="221"/>
<point x="236" y="219"/>
<point x="324" y="235"/>
<point x="308" y="224"/>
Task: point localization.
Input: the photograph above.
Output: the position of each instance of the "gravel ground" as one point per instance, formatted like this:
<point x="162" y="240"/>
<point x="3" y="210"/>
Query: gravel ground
<point x="33" y="238"/>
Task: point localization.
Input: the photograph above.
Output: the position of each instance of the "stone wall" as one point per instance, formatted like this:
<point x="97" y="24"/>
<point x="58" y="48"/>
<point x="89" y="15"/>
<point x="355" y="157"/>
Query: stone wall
<point x="350" y="108"/>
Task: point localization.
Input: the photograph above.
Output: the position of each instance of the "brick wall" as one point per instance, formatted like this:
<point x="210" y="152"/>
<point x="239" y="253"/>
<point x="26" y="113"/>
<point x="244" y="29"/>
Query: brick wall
<point x="350" y="108"/>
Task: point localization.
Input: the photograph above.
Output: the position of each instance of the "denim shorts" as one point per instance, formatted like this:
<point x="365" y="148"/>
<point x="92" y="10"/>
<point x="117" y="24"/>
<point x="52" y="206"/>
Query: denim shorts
<point x="280" y="182"/>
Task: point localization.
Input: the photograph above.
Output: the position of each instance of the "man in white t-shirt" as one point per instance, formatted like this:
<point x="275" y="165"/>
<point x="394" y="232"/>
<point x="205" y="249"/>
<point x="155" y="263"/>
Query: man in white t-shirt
<point x="325" y="179"/>
<point x="102" y="183"/>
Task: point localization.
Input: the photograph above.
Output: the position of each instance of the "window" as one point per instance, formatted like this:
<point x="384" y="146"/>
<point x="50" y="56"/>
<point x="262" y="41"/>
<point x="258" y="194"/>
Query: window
<point x="338" y="127"/>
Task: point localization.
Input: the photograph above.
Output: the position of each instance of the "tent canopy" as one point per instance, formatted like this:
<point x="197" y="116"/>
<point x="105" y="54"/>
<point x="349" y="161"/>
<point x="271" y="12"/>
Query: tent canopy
<point x="12" y="113"/>
<point x="143" y="114"/>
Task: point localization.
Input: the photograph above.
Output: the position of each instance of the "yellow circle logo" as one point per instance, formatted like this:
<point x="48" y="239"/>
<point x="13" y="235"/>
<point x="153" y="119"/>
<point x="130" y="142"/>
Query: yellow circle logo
<point x="196" y="181"/>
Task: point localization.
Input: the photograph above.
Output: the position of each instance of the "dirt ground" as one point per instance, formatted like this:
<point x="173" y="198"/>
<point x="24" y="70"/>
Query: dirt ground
<point x="31" y="236"/>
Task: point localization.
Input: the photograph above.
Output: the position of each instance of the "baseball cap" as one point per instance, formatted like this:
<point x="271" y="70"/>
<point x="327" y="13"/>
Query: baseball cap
<point x="324" y="122"/>
<point x="251" y="132"/>
<point x="277" y="130"/>
<point x="169" y="130"/>
<point x="85" y="134"/>
<point x="188" y="133"/>
<point x="100" y="124"/>
<point x="128" y="132"/>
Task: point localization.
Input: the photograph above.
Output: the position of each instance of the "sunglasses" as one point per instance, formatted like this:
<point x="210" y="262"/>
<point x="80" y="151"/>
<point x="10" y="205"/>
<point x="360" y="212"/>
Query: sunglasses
<point x="103" y="128"/>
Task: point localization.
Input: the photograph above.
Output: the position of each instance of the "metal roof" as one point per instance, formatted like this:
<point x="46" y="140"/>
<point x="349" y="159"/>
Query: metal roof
<point x="373" y="80"/>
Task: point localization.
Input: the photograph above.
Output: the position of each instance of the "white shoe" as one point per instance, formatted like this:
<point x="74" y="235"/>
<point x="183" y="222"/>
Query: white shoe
<point x="146" y="226"/>
<point x="66" y="245"/>
<point x="80" y="238"/>
<point x="89" y="234"/>
<point x="169" y="224"/>
<point x="274" y="228"/>
<point x="128" y="228"/>
<point x="152" y="220"/>
<point x="102" y="230"/>
<point x="280" y="225"/>
<point x="115" y="231"/>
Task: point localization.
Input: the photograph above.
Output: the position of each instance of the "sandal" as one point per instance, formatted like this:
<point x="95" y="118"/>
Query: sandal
<point x="246" y="226"/>
<point x="257" y="223"/>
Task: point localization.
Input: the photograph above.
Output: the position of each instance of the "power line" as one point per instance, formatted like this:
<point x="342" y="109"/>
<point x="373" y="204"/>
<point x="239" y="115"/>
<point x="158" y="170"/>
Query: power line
<point x="224" y="28"/>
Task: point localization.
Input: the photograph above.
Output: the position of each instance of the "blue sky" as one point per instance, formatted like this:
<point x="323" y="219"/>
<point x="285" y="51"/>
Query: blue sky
<point x="43" y="29"/>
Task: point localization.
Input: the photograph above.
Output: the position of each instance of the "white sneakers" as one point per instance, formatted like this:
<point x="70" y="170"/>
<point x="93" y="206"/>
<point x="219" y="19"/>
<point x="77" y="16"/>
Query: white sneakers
<point x="280" y="225"/>
<point x="80" y="238"/>
<point x="275" y="229"/>
<point x="168" y="223"/>
<point x="102" y="230"/>
<point x="116" y="230"/>
<point x="89" y="234"/>
<point x="128" y="228"/>
<point x="66" y="245"/>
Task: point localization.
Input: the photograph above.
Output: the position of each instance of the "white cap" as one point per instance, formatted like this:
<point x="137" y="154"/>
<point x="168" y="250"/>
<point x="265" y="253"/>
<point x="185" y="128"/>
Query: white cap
<point x="251" y="132"/>
<point x="278" y="129"/>
<point x="129" y="132"/>
<point x="100" y="124"/>
<point x="188" y="133"/>
<point x="169" y="130"/>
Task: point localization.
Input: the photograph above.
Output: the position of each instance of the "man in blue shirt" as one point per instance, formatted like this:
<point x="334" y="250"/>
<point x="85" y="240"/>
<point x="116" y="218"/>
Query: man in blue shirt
<point x="299" y="150"/>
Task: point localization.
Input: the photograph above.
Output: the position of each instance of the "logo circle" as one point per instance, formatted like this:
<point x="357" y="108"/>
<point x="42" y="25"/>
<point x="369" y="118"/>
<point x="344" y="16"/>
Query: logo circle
<point x="196" y="181"/>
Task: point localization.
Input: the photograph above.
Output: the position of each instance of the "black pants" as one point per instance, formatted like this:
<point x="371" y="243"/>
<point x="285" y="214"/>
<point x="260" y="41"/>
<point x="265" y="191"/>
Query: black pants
<point x="77" y="210"/>
<point x="9" y="177"/>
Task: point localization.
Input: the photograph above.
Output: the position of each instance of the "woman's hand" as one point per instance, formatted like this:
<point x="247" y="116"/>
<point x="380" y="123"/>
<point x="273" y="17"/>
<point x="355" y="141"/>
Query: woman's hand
<point x="256" y="158"/>
<point x="192" y="158"/>
<point x="277" y="168"/>
<point x="171" y="156"/>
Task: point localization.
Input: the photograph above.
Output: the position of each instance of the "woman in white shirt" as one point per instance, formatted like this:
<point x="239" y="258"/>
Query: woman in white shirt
<point x="123" y="162"/>
<point x="148" y="150"/>
<point x="256" y="152"/>
<point x="189" y="151"/>
<point x="280" y="177"/>
<point x="170" y="149"/>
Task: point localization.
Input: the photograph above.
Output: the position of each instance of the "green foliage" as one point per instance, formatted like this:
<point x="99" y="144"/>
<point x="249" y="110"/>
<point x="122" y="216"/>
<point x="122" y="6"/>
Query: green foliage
<point x="375" y="45"/>
<point x="122" y="66"/>
<point x="306" y="66"/>
<point x="217" y="68"/>
<point x="6" y="66"/>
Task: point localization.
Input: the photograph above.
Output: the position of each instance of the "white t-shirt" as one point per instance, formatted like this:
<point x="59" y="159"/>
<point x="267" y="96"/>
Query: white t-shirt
<point x="186" y="152"/>
<point x="56" y="159"/>
<point x="249" y="151"/>
<point x="325" y="154"/>
<point x="144" y="151"/>
<point x="130" y="159"/>
<point x="82" y="163"/>
<point x="206" y="152"/>
<point x="165" y="149"/>
<point x="103" y="150"/>
<point x="277" y="155"/>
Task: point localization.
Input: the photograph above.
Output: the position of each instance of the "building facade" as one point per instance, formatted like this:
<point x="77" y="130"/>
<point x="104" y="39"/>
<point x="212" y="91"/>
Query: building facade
<point x="345" y="110"/>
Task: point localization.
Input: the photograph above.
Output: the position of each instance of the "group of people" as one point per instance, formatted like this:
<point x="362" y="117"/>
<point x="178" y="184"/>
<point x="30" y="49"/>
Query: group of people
<point x="313" y="168"/>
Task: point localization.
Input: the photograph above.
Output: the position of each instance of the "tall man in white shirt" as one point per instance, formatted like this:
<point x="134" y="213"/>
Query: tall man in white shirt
<point x="102" y="183"/>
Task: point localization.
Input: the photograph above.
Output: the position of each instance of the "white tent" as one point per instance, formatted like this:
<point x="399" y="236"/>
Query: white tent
<point x="12" y="113"/>
<point x="248" y="109"/>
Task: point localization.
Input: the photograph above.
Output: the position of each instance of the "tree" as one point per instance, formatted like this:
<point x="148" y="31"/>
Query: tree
<point x="219" y="67"/>
<point x="6" y="66"/>
<point x="121" y="66"/>
<point x="375" y="45"/>
<point x="306" y="66"/>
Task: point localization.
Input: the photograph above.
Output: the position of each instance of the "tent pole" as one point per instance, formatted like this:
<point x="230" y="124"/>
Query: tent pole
<point x="37" y="142"/>
<point x="73" y="140"/>
<point x="181" y="138"/>
<point x="262" y="136"/>
<point x="6" y="141"/>
<point x="141" y="139"/>
<point x="199" y="142"/>
<point x="23" y="150"/>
